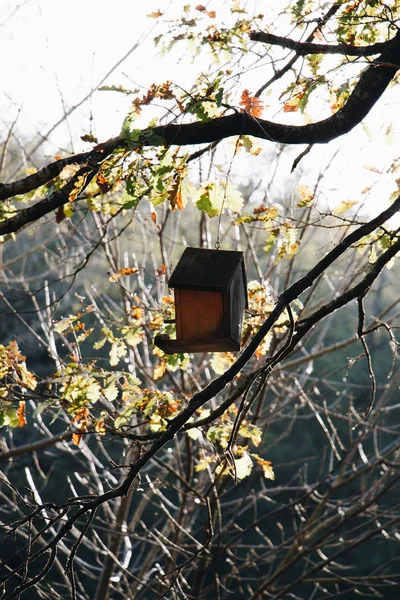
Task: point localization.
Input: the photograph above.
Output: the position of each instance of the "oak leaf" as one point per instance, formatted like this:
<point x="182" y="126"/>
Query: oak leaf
<point x="251" y="104"/>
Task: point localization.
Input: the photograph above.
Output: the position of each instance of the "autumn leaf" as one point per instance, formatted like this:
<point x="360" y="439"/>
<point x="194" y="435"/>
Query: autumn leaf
<point x="159" y="370"/>
<point x="118" y="350"/>
<point x="291" y="105"/>
<point x="76" y="438"/>
<point x="104" y="186"/>
<point x="78" y="185"/>
<point x="162" y="270"/>
<point x="344" y="206"/>
<point x="221" y="361"/>
<point x="251" y="145"/>
<point x="318" y="35"/>
<point x="260" y="209"/>
<point x="88" y="137"/>
<point x="204" y="463"/>
<point x="60" y="215"/>
<point x="155" y="14"/>
<point x="64" y="324"/>
<point x="266" y="466"/>
<point x="252" y="105"/>
<point x="175" y="196"/>
<point x="123" y="273"/>
<point x="21" y="414"/>
<point x="306" y="196"/>
<point x="100" y="428"/>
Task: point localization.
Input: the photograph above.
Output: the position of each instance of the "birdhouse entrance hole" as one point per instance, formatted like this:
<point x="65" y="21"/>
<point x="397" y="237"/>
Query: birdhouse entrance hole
<point x="210" y="297"/>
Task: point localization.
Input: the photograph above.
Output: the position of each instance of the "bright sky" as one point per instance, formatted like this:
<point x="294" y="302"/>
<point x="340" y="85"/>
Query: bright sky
<point x="57" y="52"/>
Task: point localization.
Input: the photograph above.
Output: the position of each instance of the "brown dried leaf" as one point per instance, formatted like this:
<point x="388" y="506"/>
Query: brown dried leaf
<point x="162" y="270"/>
<point x="104" y="186"/>
<point x="252" y="105"/>
<point x="291" y="105"/>
<point x="88" y="137"/>
<point x="60" y="215"/>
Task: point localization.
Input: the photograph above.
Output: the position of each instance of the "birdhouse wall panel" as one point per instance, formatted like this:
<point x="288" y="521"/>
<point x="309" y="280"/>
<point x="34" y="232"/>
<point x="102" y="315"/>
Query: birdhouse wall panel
<point x="199" y="314"/>
<point x="238" y="302"/>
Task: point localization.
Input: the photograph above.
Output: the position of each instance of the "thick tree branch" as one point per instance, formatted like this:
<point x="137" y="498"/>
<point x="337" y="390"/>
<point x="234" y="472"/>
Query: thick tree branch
<point x="369" y="88"/>
<point x="44" y="207"/>
<point x="49" y="172"/>
<point x="371" y="85"/>
<point x="304" y="48"/>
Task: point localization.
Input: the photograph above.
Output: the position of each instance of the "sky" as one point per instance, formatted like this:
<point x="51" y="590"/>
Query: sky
<point x="58" y="52"/>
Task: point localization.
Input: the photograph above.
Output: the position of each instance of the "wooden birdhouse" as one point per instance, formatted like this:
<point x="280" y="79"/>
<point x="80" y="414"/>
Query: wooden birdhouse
<point x="210" y="297"/>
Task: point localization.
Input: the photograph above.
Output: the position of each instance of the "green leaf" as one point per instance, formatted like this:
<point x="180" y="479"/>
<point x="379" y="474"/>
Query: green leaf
<point x="10" y="417"/>
<point x="214" y="198"/>
<point x="64" y="324"/>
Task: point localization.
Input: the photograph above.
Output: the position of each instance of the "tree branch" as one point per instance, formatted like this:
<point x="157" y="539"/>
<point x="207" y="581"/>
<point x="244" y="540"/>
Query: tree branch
<point x="47" y="205"/>
<point x="34" y="446"/>
<point x="369" y="88"/>
<point x="49" y="172"/>
<point x="304" y="48"/>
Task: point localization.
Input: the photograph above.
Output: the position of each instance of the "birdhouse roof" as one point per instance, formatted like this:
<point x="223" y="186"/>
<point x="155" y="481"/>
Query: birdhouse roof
<point x="208" y="270"/>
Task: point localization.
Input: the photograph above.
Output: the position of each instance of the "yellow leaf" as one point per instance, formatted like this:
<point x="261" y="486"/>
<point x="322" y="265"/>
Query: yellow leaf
<point x="194" y="434"/>
<point x="266" y="466"/>
<point x="306" y="195"/>
<point x="111" y="391"/>
<point x="221" y="361"/>
<point x="268" y="470"/>
<point x="68" y="210"/>
<point x="243" y="466"/>
<point x="118" y="350"/>
<point x="247" y="430"/>
<point x="204" y="463"/>
<point x="160" y="369"/>
<point x="344" y="206"/>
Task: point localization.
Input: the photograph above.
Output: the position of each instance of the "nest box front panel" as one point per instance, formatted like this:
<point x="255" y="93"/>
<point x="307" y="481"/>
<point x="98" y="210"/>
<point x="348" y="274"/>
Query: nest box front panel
<point x="199" y="314"/>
